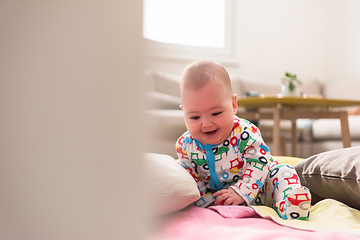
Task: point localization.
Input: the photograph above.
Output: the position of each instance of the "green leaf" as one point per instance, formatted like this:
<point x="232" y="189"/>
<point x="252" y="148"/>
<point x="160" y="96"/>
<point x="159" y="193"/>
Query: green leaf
<point x="291" y="86"/>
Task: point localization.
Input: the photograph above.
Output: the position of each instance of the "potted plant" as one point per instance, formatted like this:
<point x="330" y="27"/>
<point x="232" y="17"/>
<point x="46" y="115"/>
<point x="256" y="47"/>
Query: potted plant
<point x="290" y="85"/>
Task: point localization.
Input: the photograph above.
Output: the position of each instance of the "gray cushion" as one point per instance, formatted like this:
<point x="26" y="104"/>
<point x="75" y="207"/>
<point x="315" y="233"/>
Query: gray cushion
<point x="333" y="174"/>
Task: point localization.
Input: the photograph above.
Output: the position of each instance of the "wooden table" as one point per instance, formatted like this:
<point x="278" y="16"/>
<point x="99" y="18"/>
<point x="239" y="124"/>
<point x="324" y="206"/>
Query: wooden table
<point x="292" y="108"/>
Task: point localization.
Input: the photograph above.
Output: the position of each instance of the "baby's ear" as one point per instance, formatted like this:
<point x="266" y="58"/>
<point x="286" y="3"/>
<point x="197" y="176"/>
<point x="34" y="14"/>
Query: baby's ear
<point x="181" y="107"/>
<point x="234" y="103"/>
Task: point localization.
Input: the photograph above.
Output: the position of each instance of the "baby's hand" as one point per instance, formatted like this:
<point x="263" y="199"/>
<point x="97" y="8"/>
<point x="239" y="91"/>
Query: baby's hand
<point x="228" y="197"/>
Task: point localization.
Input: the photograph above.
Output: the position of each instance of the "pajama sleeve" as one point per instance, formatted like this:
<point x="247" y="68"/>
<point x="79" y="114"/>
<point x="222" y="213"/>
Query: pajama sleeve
<point x="206" y="198"/>
<point x="256" y="157"/>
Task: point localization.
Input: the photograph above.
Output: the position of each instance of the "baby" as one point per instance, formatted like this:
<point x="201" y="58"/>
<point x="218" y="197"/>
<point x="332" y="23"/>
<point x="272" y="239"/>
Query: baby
<point x="226" y="155"/>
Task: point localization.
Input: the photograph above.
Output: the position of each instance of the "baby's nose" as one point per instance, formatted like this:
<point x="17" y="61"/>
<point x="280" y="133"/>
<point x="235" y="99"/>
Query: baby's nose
<point x="206" y="123"/>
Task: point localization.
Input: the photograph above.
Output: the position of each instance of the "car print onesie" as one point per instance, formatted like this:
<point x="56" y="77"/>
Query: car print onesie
<point x="244" y="163"/>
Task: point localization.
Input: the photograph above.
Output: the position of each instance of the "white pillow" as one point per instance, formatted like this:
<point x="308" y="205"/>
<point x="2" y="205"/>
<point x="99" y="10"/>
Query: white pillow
<point x="170" y="186"/>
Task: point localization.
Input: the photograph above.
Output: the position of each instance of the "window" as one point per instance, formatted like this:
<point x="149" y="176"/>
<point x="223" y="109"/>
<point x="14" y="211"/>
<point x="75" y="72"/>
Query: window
<point x="188" y="28"/>
<point x="185" y="22"/>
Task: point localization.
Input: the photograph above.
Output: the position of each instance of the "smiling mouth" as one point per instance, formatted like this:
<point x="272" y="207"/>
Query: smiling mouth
<point x="210" y="132"/>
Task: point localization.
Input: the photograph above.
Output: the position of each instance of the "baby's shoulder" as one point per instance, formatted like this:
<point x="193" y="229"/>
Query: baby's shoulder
<point x="242" y="122"/>
<point x="184" y="139"/>
<point x="241" y="125"/>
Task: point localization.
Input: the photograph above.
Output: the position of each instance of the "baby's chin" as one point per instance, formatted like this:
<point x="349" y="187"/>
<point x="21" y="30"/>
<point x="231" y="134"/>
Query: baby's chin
<point x="212" y="141"/>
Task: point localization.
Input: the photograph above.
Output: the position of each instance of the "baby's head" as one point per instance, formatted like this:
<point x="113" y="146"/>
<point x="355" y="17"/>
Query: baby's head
<point x="207" y="101"/>
<point x="198" y="74"/>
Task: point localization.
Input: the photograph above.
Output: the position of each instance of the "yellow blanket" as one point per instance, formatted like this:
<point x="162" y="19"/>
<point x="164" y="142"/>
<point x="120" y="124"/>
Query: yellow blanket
<point x="326" y="215"/>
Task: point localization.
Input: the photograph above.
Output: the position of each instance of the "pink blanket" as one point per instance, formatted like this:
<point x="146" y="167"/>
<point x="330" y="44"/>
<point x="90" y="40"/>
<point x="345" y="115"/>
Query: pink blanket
<point x="232" y="222"/>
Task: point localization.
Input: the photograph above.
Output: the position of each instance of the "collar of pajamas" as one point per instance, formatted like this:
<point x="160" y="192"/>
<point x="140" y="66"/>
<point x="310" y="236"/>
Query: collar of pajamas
<point x="241" y="162"/>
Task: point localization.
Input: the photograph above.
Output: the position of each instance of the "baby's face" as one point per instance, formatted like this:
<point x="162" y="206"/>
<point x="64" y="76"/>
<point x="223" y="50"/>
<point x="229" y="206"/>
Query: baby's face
<point x="209" y="112"/>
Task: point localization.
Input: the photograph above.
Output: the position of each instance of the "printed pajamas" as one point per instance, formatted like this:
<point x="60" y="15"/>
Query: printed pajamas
<point x="243" y="162"/>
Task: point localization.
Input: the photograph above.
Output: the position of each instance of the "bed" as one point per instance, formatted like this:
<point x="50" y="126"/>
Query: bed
<point x="332" y="177"/>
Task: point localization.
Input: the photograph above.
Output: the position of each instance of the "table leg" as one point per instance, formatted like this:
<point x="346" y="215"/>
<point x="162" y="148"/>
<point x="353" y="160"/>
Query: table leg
<point x="276" y="131"/>
<point x="283" y="146"/>
<point x="345" y="131"/>
<point x="293" y="138"/>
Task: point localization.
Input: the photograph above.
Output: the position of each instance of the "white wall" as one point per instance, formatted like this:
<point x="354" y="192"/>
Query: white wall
<point x="70" y="81"/>
<point x="312" y="38"/>
<point x="344" y="17"/>
<point x="278" y="36"/>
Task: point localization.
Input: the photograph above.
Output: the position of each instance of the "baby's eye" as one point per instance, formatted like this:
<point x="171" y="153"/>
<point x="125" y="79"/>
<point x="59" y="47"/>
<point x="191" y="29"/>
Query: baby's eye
<point x="194" y="118"/>
<point x="217" y="113"/>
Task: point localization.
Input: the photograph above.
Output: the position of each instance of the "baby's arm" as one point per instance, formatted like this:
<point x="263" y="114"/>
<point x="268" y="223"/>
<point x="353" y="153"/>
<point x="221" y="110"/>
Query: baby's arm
<point x="257" y="160"/>
<point x="206" y="198"/>
<point x="228" y="197"/>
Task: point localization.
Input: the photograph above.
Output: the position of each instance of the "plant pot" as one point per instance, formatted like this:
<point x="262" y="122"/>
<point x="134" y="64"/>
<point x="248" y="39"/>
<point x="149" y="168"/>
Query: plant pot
<point x="286" y="91"/>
